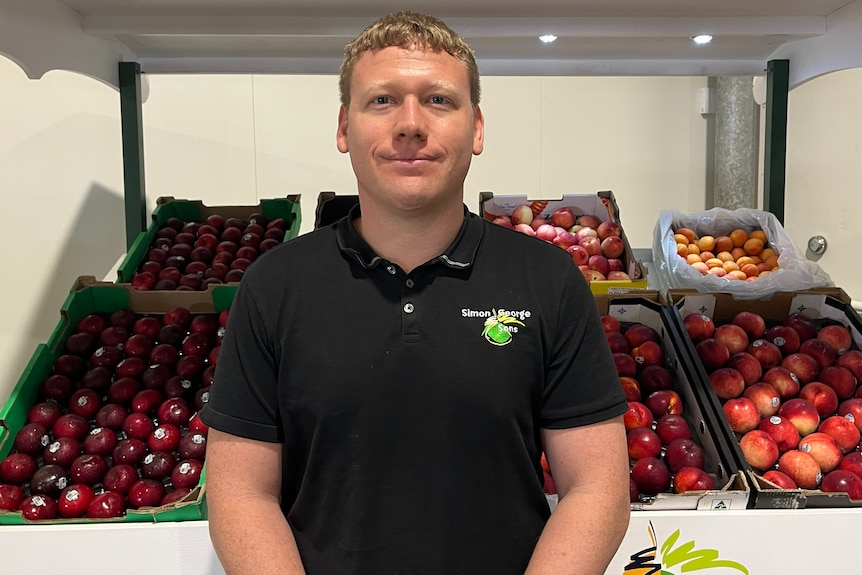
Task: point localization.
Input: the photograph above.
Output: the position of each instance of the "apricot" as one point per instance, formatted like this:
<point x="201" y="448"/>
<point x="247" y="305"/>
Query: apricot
<point x="714" y="263"/>
<point x="753" y="246"/>
<point x="706" y="255"/>
<point x="736" y="275"/>
<point x="725" y="256"/>
<point x="750" y="270"/>
<point x="723" y="244"/>
<point x="730" y="266"/>
<point x="759" y="234"/>
<point x="772" y="261"/>
<point x="693" y="249"/>
<point x="688" y="233"/>
<point x="682" y="249"/>
<point x="717" y="272"/>
<point x="738" y="237"/>
<point x="763" y="266"/>
<point x="745" y="260"/>
<point x="738" y="253"/>
<point x="705" y="243"/>
<point x="693" y="258"/>
<point x="767" y="253"/>
<point x="701" y="267"/>
<point x="680" y="239"/>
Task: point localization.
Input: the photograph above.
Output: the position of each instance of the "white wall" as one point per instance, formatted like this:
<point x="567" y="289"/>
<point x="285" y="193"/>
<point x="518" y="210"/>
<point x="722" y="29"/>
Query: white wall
<point x="238" y="138"/>
<point x="824" y="172"/>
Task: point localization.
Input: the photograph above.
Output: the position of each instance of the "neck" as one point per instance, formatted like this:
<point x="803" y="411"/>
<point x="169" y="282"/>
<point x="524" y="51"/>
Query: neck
<point x="413" y="240"/>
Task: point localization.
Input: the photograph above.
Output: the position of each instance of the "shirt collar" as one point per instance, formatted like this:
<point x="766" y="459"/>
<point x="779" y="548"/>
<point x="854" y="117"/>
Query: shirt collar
<point x="459" y="255"/>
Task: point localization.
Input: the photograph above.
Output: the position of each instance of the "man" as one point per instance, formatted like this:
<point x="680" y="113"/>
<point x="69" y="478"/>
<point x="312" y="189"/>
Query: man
<point x="387" y="384"/>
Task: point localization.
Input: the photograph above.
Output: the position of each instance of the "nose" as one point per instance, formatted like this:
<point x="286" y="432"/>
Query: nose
<point x="410" y="122"/>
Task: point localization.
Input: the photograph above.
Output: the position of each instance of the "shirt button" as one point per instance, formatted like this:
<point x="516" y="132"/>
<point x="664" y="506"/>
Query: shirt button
<point x="409" y="283"/>
<point x="391" y="269"/>
<point x="408" y="308"/>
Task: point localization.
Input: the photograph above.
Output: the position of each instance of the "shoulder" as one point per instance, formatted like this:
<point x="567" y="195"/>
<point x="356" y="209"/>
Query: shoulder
<point x="517" y="246"/>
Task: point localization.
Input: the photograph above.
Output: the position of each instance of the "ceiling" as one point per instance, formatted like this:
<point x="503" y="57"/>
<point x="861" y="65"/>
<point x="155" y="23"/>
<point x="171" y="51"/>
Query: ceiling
<point x="595" y="36"/>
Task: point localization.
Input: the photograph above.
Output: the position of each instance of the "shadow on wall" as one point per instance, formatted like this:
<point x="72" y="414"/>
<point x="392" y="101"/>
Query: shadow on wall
<point x="95" y="243"/>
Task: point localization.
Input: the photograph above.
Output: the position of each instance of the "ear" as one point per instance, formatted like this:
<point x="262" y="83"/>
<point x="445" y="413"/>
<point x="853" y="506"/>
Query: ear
<point x="341" y="133"/>
<point x="478" y="131"/>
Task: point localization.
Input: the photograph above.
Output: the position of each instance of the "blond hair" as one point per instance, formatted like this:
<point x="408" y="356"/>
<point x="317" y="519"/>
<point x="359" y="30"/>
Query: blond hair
<point x="405" y="29"/>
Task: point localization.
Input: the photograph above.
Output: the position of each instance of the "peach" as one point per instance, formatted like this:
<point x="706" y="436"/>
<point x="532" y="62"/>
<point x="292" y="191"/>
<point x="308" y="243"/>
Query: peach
<point x="802" y="468"/>
<point x="824" y="449"/>
<point x="759" y="449"/>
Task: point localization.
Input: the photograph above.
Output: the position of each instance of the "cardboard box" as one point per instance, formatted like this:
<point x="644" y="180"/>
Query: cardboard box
<point x="650" y="308"/>
<point x="89" y="296"/>
<point x="602" y="205"/>
<point x="167" y="207"/>
<point x="826" y="304"/>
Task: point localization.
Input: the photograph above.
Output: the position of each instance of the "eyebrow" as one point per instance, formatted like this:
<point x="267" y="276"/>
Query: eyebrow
<point x="385" y="85"/>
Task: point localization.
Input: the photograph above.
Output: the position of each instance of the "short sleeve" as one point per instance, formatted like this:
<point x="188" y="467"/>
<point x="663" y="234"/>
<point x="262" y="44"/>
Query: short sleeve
<point x="581" y="386"/>
<point x="243" y="400"/>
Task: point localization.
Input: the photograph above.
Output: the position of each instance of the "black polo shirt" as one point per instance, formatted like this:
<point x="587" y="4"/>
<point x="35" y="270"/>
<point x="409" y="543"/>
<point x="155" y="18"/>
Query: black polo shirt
<point x="409" y="405"/>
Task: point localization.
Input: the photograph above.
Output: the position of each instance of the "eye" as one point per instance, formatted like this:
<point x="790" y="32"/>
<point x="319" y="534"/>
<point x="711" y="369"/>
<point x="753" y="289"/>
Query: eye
<point x="381" y="100"/>
<point x="438" y="100"/>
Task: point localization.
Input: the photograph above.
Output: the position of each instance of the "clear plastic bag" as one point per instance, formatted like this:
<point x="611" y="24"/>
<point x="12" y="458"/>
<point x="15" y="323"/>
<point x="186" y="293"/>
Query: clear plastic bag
<point x="795" y="273"/>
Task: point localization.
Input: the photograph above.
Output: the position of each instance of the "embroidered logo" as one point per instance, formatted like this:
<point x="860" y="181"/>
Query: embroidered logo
<point x="500" y="325"/>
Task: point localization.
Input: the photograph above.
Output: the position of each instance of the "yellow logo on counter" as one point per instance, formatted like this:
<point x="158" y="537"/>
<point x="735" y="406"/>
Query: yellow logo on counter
<point x="647" y="562"/>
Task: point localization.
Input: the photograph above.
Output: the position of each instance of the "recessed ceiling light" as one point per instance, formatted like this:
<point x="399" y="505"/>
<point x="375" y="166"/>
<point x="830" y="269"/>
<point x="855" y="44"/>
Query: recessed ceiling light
<point x="547" y="38"/>
<point x="702" y="39"/>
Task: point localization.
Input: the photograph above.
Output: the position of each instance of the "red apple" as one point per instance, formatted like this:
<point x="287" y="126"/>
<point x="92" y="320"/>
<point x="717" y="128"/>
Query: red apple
<point x="638" y="333"/>
<point x="840" y="379"/>
<point x="802" y="414"/>
<point x="564" y="239"/>
<point x="727" y="383"/>
<point x="625" y="364"/>
<point x="643" y="442"/>
<point x="802" y="323"/>
<point x="600" y="264"/>
<point x="821" y="396"/>
<point x="654" y="378"/>
<point x="840" y="481"/>
<point x="782" y="431"/>
<point x="712" y="353"/>
<point x="684" y="453"/>
<point x="588" y="221"/>
<point x="766" y="352"/>
<point x="637" y="415"/>
<point x="801" y="467"/>
<point x="852" y="360"/>
<point x="546" y="232"/>
<point x="563" y="217"/>
<point x="803" y="366"/>
<point x="843" y="430"/>
<point x="820" y="350"/>
<point x="522" y="214"/>
<point x="692" y="479"/>
<point x="753" y="324"/>
<point x="852" y="462"/>
<point x="591" y="244"/>
<point x="698" y="326"/>
<point x="852" y="407"/>
<point x="785" y="338"/>
<point x="672" y="426"/>
<point x="664" y="402"/>
<point x="608" y="228"/>
<point x="651" y="476"/>
<point x="747" y="366"/>
<point x="823" y="448"/>
<point x="837" y="336"/>
<point x="782" y="480"/>
<point x="759" y="449"/>
<point x="783" y="380"/>
<point x="732" y="336"/>
<point x="579" y="254"/>
<point x="617" y="342"/>
<point x="631" y="387"/>
<point x="612" y="247"/>
<point x="648" y="353"/>
<point x="742" y="414"/>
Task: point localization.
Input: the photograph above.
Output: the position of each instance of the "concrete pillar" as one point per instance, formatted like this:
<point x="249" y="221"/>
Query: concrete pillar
<point x="736" y="142"/>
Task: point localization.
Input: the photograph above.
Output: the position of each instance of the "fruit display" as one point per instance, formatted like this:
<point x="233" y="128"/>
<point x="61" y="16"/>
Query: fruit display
<point x="587" y="227"/>
<point x="786" y="384"/>
<point x="190" y="247"/>
<point x="741" y="255"/>
<point x="675" y="459"/>
<point x="104" y="422"/>
<point x="745" y="252"/>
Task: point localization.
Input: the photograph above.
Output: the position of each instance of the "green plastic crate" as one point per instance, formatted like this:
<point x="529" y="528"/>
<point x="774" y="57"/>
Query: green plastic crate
<point x="167" y="207"/>
<point x="89" y="296"/>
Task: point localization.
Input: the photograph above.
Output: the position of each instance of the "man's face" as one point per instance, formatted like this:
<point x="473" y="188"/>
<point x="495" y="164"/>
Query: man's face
<point x="410" y="128"/>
